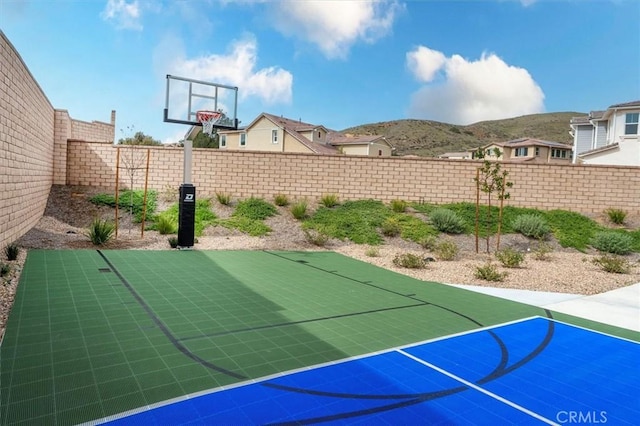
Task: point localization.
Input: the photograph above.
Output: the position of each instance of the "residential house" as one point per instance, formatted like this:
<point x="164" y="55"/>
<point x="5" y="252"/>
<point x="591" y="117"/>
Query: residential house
<point x="530" y="150"/>
<point x="268" y="132"/>
<point x="608" y="137"/>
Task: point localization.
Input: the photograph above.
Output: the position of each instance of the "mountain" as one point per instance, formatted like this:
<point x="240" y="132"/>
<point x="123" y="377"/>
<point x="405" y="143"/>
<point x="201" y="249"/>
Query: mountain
<point x="432" y="138"/>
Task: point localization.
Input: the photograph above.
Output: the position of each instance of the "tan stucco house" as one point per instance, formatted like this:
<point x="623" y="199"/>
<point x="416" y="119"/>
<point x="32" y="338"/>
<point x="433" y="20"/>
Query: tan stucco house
<point x="530" y="150"/>
<point x="269" y="132"/>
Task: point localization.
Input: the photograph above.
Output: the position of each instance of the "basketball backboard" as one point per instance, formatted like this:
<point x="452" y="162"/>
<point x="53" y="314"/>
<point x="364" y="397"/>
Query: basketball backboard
<point x="186" y="96"/>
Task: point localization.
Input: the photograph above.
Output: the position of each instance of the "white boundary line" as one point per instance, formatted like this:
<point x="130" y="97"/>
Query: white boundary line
<point x="259" y="380"/>
<point x="399" y="349"/>
<point x="478" y="388"/>
<point x="591" y="330"/>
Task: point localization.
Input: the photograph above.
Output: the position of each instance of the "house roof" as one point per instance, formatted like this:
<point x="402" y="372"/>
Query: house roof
<point x="516" y="143"/>
<point x="626" y="104"/>
<point x="598" y="150"/>
<point x="603" y="115"/>
<point x="337" y="138"/>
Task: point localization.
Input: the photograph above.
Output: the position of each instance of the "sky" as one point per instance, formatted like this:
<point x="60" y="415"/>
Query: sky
<point x="336" y="63"/>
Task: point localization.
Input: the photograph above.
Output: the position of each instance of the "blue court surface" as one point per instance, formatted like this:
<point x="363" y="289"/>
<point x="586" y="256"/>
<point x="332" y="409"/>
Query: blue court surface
<point x="527" y="372"/>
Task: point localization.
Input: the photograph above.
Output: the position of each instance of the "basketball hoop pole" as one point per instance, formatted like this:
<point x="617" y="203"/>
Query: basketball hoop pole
<point x="187" y="205"/>
<point x="186" y="174"/>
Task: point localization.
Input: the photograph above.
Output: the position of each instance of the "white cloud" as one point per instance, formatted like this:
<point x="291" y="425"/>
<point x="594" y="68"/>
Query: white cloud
<point x="334" y="26"/>
<point x="238" y="67"/>
<point x="424" y="63"/>
<point x="124" y="15"/>
<point x="471" y="91"/>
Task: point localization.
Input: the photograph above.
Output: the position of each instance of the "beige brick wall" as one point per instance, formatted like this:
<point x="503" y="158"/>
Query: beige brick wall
<point x="26" y="146"/>
<point x="33" y="144"/>
<point x="585" y="189"/>
<point x="96" y="131"/>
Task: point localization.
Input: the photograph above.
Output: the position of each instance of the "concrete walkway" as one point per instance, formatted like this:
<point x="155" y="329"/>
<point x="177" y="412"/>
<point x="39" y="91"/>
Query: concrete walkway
<point x="619" y="307"/>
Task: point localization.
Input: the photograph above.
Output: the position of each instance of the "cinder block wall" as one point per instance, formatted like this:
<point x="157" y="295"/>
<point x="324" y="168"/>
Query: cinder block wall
<point x="26" y="146"/>
<point x="584" y="189"/>
<point x="33" y="144"/>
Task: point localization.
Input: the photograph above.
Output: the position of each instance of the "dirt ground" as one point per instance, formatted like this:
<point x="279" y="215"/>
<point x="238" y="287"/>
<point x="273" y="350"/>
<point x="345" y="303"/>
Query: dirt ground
<point x="69" y="213"/>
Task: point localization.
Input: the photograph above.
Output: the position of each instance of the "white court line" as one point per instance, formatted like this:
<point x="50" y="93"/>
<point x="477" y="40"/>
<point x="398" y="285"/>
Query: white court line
<point x="260" y="380"/>
<point x="478" y="388"/>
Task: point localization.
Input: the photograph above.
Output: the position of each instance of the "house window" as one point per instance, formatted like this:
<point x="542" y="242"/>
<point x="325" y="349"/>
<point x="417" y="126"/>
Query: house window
<point x="631" y="123"/>
<point x="559" y="153"/>
<point x="319" y="134"/>
<point x="379" y="153"/>
<point x="243" y="139"/>
<point x="537" y="151"/>
<point x="522" y="152"/>
<point x="223" y="141"/>
<point x="274" y="136"/>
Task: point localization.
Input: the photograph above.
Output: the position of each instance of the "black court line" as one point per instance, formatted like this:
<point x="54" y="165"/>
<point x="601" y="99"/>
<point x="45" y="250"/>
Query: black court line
<point x="335" y="273"/>
<point x="286" y="324"/>
<point x="413" y="399"/>
<point x="165" y="330"/>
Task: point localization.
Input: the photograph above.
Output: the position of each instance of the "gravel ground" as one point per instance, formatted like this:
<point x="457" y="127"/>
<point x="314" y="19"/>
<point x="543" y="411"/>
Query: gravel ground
<point x="69" y="213"/>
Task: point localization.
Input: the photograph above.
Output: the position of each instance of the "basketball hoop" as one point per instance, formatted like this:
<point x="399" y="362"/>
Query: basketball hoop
<point x="208" y="119"/>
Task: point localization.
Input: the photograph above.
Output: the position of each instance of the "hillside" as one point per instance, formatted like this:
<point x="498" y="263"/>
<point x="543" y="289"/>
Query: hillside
<point x="431" y="138"/>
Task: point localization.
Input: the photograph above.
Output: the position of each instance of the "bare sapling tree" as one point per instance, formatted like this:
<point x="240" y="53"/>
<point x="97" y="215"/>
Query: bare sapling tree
<point x="133" y="162"/>
<point x="491" y="179"/>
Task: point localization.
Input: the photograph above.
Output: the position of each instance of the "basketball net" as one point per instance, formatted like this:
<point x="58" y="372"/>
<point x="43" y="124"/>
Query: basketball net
<point x="208" y="119"/>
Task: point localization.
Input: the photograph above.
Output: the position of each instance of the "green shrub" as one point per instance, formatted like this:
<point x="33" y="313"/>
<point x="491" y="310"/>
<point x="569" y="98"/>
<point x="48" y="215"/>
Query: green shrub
<point x="391" y="227"/>
<point x="130" y="201"/>
<point x="5" y="268"/>
<point x="428" y="242"/>
<point x="612" y="263"/>
<point x="399" y="206"/>
<point x="329" y="200"/>
<point x="612" y="242"/>
<point x="509" y="257"/>
<point x="571" y="229"/>
<point x="100" y="231"/>
<point x="280" y="200"/>
<point x="542" y="251"/>
<point x="358" y="221"/>
<point x="173" y="242"/>
<point x="165" y="224"/>
<point x="409" y="260"/>
<point x="447" y="250"/>
<point x="223" y="198"/>
<point x="372" y="252"/>
<point x="299" y="210"/>
<point x="413" y="228"/>
<point x="255" y="208"/>
<point x="315" y="237"/>
<point x="531" y="225"/>
<point x="253" y="227"/>
<point x="11" y="251"/>
<point x="204" y="216"/>
<point x="448" y="221"/>
<point x="616" y="216"/>
<point x="489" y="272"/>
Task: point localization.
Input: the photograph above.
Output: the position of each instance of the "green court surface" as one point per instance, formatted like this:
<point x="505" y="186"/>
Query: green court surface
<point x="96" y="333"/>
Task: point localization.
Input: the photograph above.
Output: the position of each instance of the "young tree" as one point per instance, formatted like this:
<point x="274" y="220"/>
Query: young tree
<point x="490" y="178"/>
